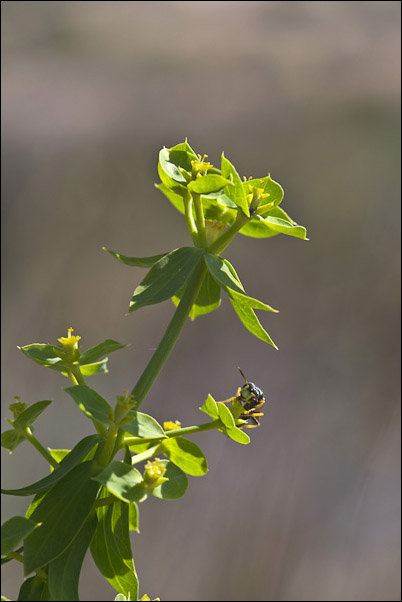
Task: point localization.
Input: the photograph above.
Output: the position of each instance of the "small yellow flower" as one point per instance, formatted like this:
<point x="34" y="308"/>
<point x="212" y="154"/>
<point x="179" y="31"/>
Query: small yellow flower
<point x="153" y="474"/>
<point x="200" y="166"/>
<point x="171" y="426"/>
<point x="71" y="341"/>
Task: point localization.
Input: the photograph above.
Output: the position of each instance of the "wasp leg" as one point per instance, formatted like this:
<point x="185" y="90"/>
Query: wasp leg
<point x="231" y="399"/>
<point x="250" y="426"/>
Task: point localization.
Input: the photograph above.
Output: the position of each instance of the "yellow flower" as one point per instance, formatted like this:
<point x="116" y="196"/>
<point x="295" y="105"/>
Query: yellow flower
<point x="171" y="426"/>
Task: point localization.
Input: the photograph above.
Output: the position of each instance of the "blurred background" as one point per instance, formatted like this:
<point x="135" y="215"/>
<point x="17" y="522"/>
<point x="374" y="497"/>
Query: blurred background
<point x="309" y="91"/>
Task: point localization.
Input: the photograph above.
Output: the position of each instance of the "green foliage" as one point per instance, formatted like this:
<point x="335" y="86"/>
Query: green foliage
<point x="90" y="500"/>
<point x="111" y="549"/>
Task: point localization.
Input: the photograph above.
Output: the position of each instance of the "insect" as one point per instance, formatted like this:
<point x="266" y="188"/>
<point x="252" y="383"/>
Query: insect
<point x="251" y="399"/>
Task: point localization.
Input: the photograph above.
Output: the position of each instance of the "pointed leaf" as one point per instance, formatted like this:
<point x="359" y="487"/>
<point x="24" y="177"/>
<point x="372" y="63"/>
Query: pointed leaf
<point x="123" y="481"/>
<point x="166" y="277"/>
<point x="69" y="462"/>
<point x="139" y="262"/>
<point x="237" y="192"/>
<point x="111" y="548"/>
<point x="14" y="531"/>
<point x="210" y="407"/>
<point x="219" y="270"/>
<point x="28" y="416"/>
<point x="175" y="486"/>
<point x="46" y="355"/>
<point x="62" y="512"/>
<point x="260" y="227"/>
<point x="64" y="571"/>
<point x="243" y="306"/>
<point x="91" y="403"/>
<point x="91" y="355"/>
<point x="186" y="455"/>
<point x="95" y="368"/>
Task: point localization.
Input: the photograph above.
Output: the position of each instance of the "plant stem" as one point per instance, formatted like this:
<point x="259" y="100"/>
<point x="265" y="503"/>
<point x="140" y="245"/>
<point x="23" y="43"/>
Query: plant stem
<point x="75" y="375"/>
<point x="105" y="450"/>
<point x="145" y="455"/>
<point x="187" y="430"/>
<point x="226" y="237"/>
<point x="200" y="219"/>
<point x="105" y="501"/>
<point x="39" y="447"/>
<point x="171" y="335"/>
<point x="187" y="199"/>
<point x="16" y="556"/>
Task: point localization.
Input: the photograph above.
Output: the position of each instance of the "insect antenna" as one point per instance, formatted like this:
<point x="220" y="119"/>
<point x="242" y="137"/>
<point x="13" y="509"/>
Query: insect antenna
<point x="242" y="373"/>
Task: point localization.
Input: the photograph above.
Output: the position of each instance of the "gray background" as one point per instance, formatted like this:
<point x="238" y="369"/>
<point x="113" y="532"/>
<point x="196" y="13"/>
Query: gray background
<point x="310" y="92"/>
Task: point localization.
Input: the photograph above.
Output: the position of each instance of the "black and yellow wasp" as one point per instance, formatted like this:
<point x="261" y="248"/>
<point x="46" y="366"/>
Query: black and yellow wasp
<point x="251" y="399"/>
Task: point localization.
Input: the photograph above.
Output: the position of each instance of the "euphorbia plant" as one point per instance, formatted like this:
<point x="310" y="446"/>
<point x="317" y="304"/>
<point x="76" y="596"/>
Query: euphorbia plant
<point x="90" y="499"/>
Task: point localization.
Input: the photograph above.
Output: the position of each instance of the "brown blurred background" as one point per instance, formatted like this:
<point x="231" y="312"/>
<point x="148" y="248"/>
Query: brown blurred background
<point x="310" y="92"/>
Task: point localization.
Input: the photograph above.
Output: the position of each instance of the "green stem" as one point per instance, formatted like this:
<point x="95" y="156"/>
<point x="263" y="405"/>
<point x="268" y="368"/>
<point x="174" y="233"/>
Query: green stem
<point x="105" y="450"/>
<point x="226" y="237"/>
<point x="39" y="447"/>
<point x="171" y="335"/>
<point x="16" y="556"/>
<point x="188" y="211"/>
<point x="187" y="430"/>
<point x="200" y="219"/>
<point x="144" y="455"/>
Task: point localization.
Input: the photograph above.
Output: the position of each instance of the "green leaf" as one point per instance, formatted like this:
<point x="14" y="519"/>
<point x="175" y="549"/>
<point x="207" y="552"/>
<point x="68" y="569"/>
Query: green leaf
<point x="210" y="407"/>
<point x="32" y="589"/>
<point x="263" y="227"/>
<point x="14" y="531"/>
<point x="139" y="262"/>
<point x="237" y="192"/>
<point x="176" y="485"/>
<point x="133" y="517"/>
<point x="111" y="548"/>
<point x="95" y="368"/>
<point x="46" y="355"/>
<point x="166" y="277"/>
<point x="220" y="271"/>
<point x="64" y="571"/>
<point x="94" y="353"/>
<point x="10" y="439"/>
<point x="29" y="415"/>
<point x="208" y="183"/>
<point x="69" y="462"/>
<point x="143" y="425"/>
<point x="243" y="306"/>
<point x="186" y="455"/>
<point x="123" y="481"/>
<point x="91" y="403"/>
<point x="230" y="428"/>
<point x="62" y="512"/>
<point x="208" y="299"/>
<point x="170" y="160"/>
